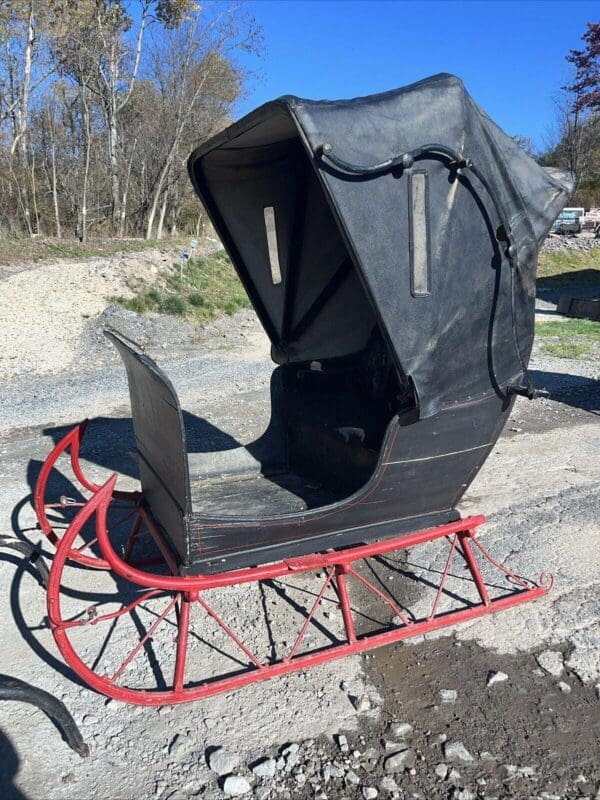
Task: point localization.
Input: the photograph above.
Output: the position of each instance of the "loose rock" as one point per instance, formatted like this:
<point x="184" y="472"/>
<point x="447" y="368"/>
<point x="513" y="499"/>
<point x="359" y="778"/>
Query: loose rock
<point x="236" y="786"/>
<point x="454" y="775"/>
<point x="551" y="661"/>
<point x="404" y="759"/>
<point x="362" y="704"/>
<point x="496" y="677"/>
<point x="332" y="771"/>
<point x="222" y="761"/>
<point x="390" y="745"/>
<point x="456" y="751"/>
<point x="527" y="772"/>
<point x="437" y="738"/>
<point x="265" y="768"/>
<point x="400" y="729"/>
<point x="369" y="792"/>
<point x="448" y="695"/>
<point x="291" y="755"/>
<point x="464" y="794"/>
<point x="441" y="771"/>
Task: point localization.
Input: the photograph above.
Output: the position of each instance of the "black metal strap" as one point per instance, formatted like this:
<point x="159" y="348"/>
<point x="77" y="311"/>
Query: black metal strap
<point x="32" y="553"/>
<point x="406" y="160"/>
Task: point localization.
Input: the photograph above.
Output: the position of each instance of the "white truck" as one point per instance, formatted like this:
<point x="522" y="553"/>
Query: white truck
<point x="568" y="221"/>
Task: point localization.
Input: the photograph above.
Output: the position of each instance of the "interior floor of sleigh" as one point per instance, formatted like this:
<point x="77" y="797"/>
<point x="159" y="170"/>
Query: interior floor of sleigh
<point x="321" y="446"/>
<point x="254" y="494"/>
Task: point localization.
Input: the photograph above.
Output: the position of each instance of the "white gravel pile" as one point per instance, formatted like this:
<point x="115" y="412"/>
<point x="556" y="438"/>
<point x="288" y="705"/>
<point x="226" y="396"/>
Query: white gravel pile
<point x="44" y="309"/>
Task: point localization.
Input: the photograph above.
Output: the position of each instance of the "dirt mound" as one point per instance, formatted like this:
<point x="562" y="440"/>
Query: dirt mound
<point x="45" y="309"/>
<point x="150" y="331"/>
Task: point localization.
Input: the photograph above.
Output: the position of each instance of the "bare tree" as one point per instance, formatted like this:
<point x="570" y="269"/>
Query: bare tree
<point x="117" y="68"/>
<point x="574" y="143"/>
<point x="196" y="84"/>
<point x="100" y="103"/>
<point x="50" y="128"/>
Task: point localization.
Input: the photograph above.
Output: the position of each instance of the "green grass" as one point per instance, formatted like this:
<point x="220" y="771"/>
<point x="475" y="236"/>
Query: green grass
<point x="209" y="288"/>
<point x="570" y="328"/>
<point x="569" y="338"/>
<point x="573" y="350"/>
<point x="15" y="250"/>
<point x="569" y="268"/>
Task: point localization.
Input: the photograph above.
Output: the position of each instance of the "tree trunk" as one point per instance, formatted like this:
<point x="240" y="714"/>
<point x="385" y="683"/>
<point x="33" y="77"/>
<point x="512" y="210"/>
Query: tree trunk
<point x="155" y="199"/>
<point x="54" y="182"/>
<point x="113" y="143"/>
<point x="161" y="218"/>
<point x="125" y="193"/>
<point x="24" y="203"/>
<point x="113" y="109"/>
<point x="23" y="114"/>
<point x="164" y="173"/>
<point x="86" y="167"/>
<point x="150" y="222"/>
<point x="185" y="108"/>
<point x="34" y="195"/>
<point x="174" y="215"/>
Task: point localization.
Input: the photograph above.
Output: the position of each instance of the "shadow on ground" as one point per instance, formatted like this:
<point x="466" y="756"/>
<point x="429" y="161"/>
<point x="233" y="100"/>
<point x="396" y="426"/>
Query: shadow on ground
<point x="9" y="768"/>
<point x="576" y="391"/>
<point x="586" y="280"/>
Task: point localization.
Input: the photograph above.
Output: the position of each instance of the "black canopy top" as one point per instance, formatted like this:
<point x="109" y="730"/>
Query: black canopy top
<point x="409" y="210"/>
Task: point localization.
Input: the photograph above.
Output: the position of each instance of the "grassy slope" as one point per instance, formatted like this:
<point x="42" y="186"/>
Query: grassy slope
<point x="21" y="250"/>
<point x="208" y="288"/>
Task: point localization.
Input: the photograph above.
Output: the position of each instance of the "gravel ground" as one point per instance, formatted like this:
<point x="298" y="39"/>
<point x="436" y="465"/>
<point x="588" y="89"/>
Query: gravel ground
<point x="74" y="395"/>
<point x="581" y="242"/>
<point x="532" y="732"/>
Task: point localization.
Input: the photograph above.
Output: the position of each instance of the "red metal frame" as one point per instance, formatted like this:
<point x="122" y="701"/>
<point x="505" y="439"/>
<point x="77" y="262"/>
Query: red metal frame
<point x="185" y="591"/>
<point x="70" y="443"/>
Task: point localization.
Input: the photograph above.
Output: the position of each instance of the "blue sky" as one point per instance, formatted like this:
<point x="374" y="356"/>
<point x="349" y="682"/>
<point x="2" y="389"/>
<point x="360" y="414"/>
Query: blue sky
<point x="510" y="54"/>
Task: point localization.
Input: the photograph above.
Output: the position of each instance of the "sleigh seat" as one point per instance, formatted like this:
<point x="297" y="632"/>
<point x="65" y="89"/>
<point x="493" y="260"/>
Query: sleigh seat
<point x="319" y="477"/>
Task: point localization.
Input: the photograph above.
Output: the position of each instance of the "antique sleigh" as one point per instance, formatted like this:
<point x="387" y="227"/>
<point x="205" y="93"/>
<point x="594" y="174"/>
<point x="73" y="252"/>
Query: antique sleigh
<point x="388" y="245"/>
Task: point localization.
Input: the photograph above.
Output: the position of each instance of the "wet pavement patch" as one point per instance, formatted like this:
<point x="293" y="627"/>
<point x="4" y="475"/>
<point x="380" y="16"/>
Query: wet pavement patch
<point x="527" y="735"/>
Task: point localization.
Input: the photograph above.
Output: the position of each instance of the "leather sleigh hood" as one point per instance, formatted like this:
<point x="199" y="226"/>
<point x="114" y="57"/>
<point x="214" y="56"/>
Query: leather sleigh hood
<point x="486" y="207"/>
